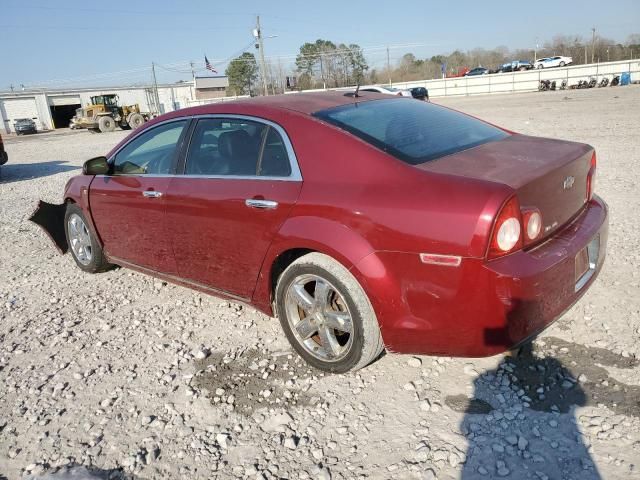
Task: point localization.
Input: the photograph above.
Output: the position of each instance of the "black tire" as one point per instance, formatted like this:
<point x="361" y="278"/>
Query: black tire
<point x="136" y="120"/>
<point x="540" y="66"/>
<point x="365" y="341"/>
<point x="106" y="124"/>
<point x="97" y="262"/>
<point x="562" y="64"/>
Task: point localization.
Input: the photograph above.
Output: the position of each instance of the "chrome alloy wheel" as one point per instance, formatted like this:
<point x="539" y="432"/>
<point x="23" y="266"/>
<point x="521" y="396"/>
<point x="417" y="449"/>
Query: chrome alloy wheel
<point x="79" y="239"/>
<point x="319" y="317"/>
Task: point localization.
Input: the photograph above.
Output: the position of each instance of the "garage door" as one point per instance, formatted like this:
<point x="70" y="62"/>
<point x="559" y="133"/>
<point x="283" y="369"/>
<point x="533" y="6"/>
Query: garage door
<point x="15" y="108"/>
<point x="61" y="100"/>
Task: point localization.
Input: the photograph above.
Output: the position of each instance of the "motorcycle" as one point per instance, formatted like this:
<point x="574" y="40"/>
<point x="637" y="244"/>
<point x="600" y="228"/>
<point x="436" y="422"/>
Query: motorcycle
<point x="547" y="85"/>
<point x="564" y="84"/>
<point x="615" y="81"/>
<point x="604" y="82"/>
<point x="592" y="82"/>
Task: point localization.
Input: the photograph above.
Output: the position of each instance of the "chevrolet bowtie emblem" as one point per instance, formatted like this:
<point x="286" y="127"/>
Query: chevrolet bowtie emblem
<point x="568" y="182"/>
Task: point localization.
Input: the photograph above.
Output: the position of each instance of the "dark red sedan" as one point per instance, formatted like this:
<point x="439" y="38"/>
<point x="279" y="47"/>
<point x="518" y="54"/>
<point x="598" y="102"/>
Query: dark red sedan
<point x="362" y="222"/>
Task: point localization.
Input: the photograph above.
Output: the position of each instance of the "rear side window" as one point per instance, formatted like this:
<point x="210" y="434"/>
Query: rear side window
<point x="414" y="132"/>
<point x="221" y="146"/>
<point x="236" y="147"/>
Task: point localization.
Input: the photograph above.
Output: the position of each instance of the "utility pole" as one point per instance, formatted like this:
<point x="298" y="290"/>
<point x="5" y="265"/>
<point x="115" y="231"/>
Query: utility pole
<point x="156" y="97"/>
<point x="389" y="66"/>
<point x="324" y="83"/>
<point x="193" y="83"/>
<point x="585" y="54"/>
<point x="258" y="34"/>
<point x="593" y="43"/>
<point x="282" y="79"/>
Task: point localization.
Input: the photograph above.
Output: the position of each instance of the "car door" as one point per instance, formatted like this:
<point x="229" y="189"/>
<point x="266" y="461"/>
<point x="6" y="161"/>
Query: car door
<point x="128" y="205"/>
<point x="240" y="180"/>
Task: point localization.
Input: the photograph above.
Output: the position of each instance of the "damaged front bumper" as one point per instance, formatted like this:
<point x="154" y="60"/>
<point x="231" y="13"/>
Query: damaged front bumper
<point x="50" y="217"/>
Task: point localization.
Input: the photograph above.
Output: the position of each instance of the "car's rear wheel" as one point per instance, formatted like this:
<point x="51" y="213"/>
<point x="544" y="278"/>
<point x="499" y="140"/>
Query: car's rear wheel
<point x="84" y="246"/>
<point x="326" y="315"/>
<point x="562" y="64"/>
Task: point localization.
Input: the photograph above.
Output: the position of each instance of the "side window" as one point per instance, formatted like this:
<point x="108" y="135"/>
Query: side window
<point x="225" y="146"/>
<point x="274" y="161"/>
<point x="151" y="152"/>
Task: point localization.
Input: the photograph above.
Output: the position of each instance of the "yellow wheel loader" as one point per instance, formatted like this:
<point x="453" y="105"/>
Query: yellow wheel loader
<point x="104" y="114"/>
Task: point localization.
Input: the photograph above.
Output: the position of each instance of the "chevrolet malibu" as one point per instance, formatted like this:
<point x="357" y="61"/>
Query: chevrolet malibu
<point x="364" y="223"/>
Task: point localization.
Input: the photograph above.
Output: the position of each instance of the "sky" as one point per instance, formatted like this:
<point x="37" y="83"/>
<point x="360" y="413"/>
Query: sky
<point x="70" y="42"/>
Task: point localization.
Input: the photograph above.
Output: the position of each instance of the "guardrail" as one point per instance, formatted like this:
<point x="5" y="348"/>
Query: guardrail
<point x="526" y="81"/>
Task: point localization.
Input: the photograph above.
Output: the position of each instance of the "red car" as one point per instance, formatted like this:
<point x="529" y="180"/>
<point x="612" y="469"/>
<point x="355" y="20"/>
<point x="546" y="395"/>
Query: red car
<point x="362" y="222"/>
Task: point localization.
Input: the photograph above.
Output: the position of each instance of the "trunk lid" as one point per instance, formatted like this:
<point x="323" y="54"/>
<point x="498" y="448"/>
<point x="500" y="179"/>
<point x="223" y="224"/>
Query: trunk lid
<point x="548" y="174"/>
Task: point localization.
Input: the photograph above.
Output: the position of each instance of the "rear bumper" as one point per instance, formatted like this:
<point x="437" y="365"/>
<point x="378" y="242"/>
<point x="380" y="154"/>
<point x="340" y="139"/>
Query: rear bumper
<point x="481" y="308"/>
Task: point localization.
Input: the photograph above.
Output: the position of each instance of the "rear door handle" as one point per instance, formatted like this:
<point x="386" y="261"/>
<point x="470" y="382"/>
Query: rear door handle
<point x="151" y="194"/>
<point x="261" y="204"/>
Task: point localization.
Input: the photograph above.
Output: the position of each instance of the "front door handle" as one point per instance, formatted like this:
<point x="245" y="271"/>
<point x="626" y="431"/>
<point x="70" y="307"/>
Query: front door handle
<point x="261" y="204"/>
<point x="151" y="194"/>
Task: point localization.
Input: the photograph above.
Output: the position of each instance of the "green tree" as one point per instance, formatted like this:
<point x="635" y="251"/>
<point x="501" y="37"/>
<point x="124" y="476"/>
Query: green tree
<point x="358" y="63"/>
<point x="243" y="73"/>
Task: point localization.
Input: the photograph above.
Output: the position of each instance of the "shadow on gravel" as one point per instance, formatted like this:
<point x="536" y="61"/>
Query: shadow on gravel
<point x="75" y="472"/>
<point x="251" y="380"/>
<point x="12" y="172"/>
<point x="559" y="376"/>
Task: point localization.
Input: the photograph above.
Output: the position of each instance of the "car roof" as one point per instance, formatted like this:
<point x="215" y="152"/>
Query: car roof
<point x="306" y="103"/>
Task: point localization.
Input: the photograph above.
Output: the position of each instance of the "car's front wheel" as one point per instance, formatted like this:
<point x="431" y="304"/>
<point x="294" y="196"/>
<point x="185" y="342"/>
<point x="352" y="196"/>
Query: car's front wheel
<point x="84" y="246"/>
<point x="326" y="315"/>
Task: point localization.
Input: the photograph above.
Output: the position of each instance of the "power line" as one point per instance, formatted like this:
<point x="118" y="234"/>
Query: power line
<point x="183" y="66"/>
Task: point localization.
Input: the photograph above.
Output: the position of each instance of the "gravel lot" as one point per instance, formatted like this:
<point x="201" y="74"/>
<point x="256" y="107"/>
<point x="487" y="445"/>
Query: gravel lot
<point x="121" y="375"/>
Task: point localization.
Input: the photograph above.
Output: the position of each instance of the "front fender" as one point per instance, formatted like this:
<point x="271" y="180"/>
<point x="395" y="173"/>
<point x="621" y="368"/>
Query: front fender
<point x="313" y="233"/>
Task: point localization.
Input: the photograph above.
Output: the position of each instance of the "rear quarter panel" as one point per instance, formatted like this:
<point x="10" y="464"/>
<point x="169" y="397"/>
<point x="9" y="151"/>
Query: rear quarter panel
<point x="357" y="200"/>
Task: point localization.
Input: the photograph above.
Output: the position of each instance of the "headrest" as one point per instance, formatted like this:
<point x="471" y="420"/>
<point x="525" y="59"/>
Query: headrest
<point x="234" y="144"/>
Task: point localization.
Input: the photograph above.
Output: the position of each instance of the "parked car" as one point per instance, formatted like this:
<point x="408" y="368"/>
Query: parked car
<point x="4" y="157"/>
<point x="24" y="125"/>
<point x="477" y="71"/>
<point x="420" y="93"/>
<point x="549" y="62"/>
<point x="514" y="66"/>
<point x="460" y="72"/>
<point x="386" y="90"/>
<point x="361" y="223"/>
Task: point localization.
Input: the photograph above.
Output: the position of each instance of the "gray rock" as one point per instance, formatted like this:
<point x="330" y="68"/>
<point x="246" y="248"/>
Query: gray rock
<point x="276" y="423"/>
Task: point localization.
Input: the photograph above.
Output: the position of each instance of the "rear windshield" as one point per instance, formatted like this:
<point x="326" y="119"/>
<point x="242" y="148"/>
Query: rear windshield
<point x="412" y="131"/>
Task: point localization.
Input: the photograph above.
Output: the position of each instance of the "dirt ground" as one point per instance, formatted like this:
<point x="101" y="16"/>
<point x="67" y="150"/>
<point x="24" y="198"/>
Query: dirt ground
<point x="121" y="375"/>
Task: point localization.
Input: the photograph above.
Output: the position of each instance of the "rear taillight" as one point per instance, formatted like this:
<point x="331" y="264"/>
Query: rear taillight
<point x="507" y="231"/>
<point x="591" y="177"/>
<point x="532" y="224"/>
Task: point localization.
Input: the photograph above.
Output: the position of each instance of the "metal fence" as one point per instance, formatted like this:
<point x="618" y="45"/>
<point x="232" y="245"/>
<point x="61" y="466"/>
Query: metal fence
<point x="525" y="81"/>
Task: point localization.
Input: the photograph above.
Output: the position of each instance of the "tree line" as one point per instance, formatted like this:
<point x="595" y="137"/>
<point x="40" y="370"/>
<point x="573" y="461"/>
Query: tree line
<point x="327" y="64"/>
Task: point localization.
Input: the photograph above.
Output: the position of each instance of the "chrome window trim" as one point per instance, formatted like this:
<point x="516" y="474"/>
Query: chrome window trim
<point x="295" y="176"/>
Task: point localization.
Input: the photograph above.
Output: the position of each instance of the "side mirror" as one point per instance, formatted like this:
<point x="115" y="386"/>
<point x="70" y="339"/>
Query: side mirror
<point x="96" y="166"/>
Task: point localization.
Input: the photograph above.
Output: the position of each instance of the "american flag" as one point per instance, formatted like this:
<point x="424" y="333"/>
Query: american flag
<point x="208" y="65"/>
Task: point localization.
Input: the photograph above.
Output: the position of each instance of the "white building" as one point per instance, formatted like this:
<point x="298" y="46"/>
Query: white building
<point x="53" y="108"/>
